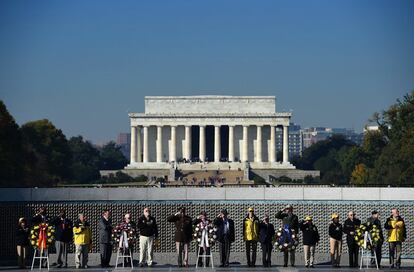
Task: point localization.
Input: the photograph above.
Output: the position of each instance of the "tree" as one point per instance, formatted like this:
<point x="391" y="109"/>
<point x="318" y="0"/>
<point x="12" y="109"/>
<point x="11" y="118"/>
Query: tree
<point x="12" y="155"/>
<point x="49" y="153"/>
<point x="86" y="159"/>
<point x="112" y="157"/>
<point x="360" y="175"/>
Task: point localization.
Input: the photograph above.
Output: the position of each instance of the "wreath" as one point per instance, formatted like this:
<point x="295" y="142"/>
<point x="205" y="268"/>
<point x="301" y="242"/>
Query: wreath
<point x="374" y="232"/>
<point x="211" y="231"/>
<point x="120" y="229"/>
<point x="42" y="236"/>
<point x="286" y="239"/>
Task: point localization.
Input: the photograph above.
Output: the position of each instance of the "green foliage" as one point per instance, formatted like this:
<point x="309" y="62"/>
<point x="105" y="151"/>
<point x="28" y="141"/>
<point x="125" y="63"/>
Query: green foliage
<point x="112" y="157"/>
<point x="86" y="159"/>
<point x="11" y="152"/>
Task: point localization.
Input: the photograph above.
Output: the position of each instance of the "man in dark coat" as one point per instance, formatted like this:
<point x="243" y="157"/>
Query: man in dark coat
<point x="350" y="226"/>
<point x="148" y="231"/>
<point x="290" y="219"/>
<point x="105" y="238"/>
<point x="374" y="220"/>
<point x="266" y="234"/>
<point x="225" y="236"/>
<point x="310" y="239"/>
<point x="183" y="234"/>
<point x="63" y="236"/>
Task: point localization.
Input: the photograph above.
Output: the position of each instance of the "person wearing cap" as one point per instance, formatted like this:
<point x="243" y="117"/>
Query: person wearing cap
<point x="148" y="232"/>
<point x="374" y="220"/>
<point x="292" y="221"/>
<point x="183" y="234"/>
<point x="310" y="240"/>
<point x="396" y="236"/>
<point x="204" y="247"/>
<point x="251" y="236"/>
<point x="335" y="240"/>
<point x="82" y="235"/>
<point x="225" y="236"/>
<point x="63" y="236"/>
<point x="22" y="242"/>
<point x="350" y="225"/>
<point x="266" y="234"/>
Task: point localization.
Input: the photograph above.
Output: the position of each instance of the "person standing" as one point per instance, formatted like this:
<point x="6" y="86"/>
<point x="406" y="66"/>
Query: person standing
<point x="266" y="234"/>
<point x="350" y="226"/>
<point x="128" y="228"/>
<point x="375" y="221"/>
<point x="310" y="240"/>
<point x="63" y="236"/>
<point x="183" y="234"/>
<point x="225" y="236"/>
<point x="290" y="220"/>
<point x="105" y="238"/>
<point x="251" y="236"/>
<point x="148" y="233"/>
<point x="396" y="236"/>
<point x="22" y="242"/>
<point x="335" y="240"/>
<point x="83" y="241"/>
<point x="203" y="223"/>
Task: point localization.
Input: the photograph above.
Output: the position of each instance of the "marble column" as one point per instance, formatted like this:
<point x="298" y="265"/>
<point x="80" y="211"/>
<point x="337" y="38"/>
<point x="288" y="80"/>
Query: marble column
<point x="187" y="142"/>
<point x="285" y="144"/>
<point x="173" y="144"/>
<point x="217" y="144"/>
<point x="133" y="145"/>
<point x="245" y="144"/>
<point x="145" y="147"/>
<point x="272" y="155"/>
<point x="159" y="143"/>
<point x="259" y="144"/>
<point x="202" y="152"/>
<point x="231" y="143"/>
<point x="139" y="145"/>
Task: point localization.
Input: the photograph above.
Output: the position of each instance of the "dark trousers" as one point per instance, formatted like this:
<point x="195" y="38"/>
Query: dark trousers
<point x="378" y="252"/>
<point x="395" y="253"/>
<point x="200" y="260"/>
<point x="106" y="252"/>
<point x="267" y="253"/>
<point x="286" y="254"/>
<point x="251" y="245"/>
<point x="353" y="251"/>
<point x="224" y="247"/>
<point x="61" y="252"/>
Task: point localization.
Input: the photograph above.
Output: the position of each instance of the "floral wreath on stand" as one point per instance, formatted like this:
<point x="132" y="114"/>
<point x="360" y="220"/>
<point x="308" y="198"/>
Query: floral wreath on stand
<point x="372" y="230"/>
<point x="42" y="236"/>
<point x="211" y="230"/>
<point x="118" y="233"/>
<point x="286" y="239"/>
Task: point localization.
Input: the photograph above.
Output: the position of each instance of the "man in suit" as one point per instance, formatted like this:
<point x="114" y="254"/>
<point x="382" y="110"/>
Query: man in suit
<point x="105" y="235"/>
<point x="266" y="233"/>
<point x="225" y="236"/>
<point x="183" y="234"/>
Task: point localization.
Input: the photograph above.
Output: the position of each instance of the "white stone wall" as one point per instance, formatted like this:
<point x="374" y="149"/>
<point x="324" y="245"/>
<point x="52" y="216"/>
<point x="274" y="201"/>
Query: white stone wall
<point x="167" y="105"/>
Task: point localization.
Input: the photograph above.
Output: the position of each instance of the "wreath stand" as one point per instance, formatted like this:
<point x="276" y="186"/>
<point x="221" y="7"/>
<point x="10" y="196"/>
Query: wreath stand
<point x="122" y="248"/>
<point x="365" y="253"/>
<point x="43" y="255"/>
<point x="204" y="256"/>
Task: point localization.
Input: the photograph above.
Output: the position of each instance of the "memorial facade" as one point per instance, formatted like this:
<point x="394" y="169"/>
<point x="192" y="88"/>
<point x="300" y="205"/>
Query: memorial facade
<point x="238" y="131"/>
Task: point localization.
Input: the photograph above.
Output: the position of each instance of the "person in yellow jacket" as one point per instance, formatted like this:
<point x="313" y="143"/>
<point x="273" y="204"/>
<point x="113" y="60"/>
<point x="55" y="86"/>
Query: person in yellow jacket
<point x="396" y="235"/>
<point x="83" y="241"/>
<point x="251" y="236"/>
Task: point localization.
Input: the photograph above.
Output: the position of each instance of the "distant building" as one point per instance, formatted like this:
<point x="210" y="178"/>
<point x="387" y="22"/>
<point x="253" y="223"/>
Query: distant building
<point x="124" y="142"/>
<point x="295" y="140"/>
<point x="313" y="135"/>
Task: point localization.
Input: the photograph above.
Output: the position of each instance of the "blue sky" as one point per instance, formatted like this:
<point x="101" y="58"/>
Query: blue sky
<point x="85" y="64"/>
